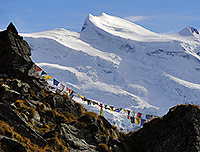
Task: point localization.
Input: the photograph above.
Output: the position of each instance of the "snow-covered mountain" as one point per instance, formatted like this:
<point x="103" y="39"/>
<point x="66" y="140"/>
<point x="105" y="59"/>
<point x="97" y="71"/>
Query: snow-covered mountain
<point x="119" y="63"/>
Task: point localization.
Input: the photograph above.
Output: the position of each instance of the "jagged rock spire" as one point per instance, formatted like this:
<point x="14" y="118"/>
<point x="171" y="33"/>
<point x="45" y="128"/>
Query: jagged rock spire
<point x="12" y="28"/>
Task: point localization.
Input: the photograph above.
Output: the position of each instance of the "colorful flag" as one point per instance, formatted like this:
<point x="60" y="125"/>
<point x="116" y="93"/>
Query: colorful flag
<point x="137" y="121"/>
<point x="43" y="73"/>
<point x="142" y="122"/>
<point x="55" y="82"/>
<point x="65" y="93"/>
<point x="69" y="90"/>
<point x="48" y="77"/>
<point x="118" y="109"/>
<point x="61" y="87"/>
<point x="139" y="115"/>
<point x="38" y="68"/>
<point x="89" y="102"/>
<point x="106" y="107"/>
<point x="132" y="119"/>
<point x="149" y="117"/>
<point x="133" y="113"/>
<point x="112" y="108"/>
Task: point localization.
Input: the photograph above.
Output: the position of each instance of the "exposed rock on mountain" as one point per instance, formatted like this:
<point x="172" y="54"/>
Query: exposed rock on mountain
<point x="177" y="131"/>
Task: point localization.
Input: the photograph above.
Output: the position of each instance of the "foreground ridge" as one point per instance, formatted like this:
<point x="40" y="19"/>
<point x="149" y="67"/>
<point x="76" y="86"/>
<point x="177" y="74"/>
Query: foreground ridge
<point x="32" y="118"/>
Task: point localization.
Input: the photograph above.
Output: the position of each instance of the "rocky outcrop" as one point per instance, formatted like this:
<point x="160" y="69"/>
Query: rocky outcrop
<point x="177" y="131"/>
<point x="15" y="58"/>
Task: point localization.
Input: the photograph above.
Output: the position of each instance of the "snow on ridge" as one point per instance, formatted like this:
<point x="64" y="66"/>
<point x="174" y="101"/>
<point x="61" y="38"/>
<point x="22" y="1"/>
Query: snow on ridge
<point x="122" y="28"/>
<point x="190" y="31"/>
<point x="71" y="40"/>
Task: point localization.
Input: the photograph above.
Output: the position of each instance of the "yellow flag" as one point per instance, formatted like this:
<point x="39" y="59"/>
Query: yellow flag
<point x="65" y="93"/>
<point x="137" y="121"/>
<point x="48" y="77"/>
<point x="80" y="96"/>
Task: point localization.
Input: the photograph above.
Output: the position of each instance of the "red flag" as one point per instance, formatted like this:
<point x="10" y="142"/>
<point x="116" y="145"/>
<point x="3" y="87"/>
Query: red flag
<point x="38" y="68"/>
<point x="139" y="115"/>
<point x="69" y="90"/>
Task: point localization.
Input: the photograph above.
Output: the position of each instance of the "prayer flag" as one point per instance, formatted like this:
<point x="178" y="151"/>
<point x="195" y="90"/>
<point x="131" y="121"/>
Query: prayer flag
<point x="61" y="87"/>
<point x="38" y="68"/>
<point x="48" y="77"/>
<point x="89" y="102"/>
<point x="132" y="119"/>
<point x="55" y="82"/>
<point x="69" y="90"/>
<point x="65" y="93"/>
<point x="43" y="73"/>
<point x="112" y="108"/>
<point x="125" y="110"/>
<point x="139" y="115"/>
<point x="142" y="122"/>
<point x="149" y="117"/>
<point x="106" y="107"/>
<point x="133" y="113"/>
<point x="137" y="121"/>
<point x="118" y="109"/>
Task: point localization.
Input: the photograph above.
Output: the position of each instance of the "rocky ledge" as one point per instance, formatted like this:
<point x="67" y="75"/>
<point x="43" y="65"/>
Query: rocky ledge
<point x="32" y="118"/>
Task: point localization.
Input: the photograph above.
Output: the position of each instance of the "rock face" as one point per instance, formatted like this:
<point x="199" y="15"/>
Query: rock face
<point x="32" y="118"/>
<point x="177" y="131"/>
<point x="15" y="58"/>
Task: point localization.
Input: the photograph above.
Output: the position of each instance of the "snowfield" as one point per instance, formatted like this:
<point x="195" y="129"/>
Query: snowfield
<point x="119" y="63"/>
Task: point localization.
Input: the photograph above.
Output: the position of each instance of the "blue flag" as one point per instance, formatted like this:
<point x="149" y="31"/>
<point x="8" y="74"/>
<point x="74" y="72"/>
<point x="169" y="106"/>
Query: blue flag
<point x="142" y="122"/>
<point x="55" y="82"/>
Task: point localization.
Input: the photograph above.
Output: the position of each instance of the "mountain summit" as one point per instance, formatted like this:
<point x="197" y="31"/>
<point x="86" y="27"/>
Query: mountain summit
<point x="189" y="31"/>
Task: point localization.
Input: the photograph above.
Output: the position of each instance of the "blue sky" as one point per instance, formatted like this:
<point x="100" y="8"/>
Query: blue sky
<point x="159" y="16"/>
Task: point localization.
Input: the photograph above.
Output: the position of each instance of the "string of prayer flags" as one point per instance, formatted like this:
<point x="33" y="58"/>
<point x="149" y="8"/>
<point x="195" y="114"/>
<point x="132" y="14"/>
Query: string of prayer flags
<point x="136" y="118"/>
<point x="47" y="77"/>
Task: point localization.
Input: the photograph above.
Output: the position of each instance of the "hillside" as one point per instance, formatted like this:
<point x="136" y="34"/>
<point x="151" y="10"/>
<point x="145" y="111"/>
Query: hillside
<point x="121" y="64"/>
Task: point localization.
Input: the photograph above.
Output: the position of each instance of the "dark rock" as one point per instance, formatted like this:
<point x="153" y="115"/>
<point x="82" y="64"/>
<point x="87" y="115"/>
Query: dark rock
<point x="15" y="58"/>
<point x="11" y="145"/>
<point x="177" y="131"/>
<point x="14" y="120"/>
